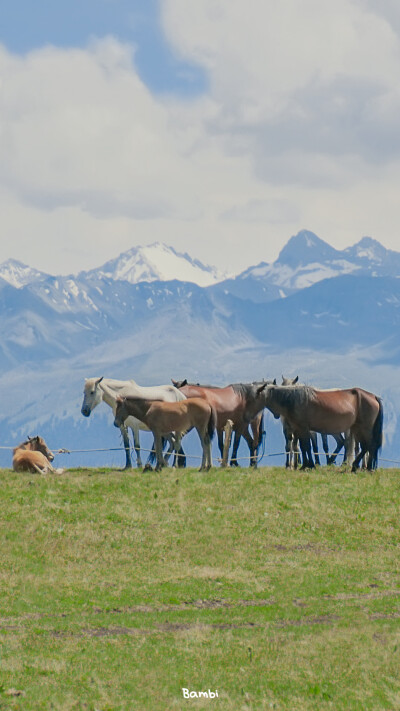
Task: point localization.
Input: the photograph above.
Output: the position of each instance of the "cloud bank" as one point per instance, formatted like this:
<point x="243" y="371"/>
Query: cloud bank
<point x="297" y="128"/>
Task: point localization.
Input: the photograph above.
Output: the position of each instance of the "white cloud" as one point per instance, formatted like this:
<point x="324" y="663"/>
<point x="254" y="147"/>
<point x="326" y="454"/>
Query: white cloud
<point x="299" y="128"/>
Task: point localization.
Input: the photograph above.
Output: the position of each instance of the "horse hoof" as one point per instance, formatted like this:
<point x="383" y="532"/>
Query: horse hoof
<point x="233" y="463"/>
<point x="148" y="468"/>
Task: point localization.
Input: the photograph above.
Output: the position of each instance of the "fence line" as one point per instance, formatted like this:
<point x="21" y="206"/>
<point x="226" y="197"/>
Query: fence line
<point x="63" y="450"/>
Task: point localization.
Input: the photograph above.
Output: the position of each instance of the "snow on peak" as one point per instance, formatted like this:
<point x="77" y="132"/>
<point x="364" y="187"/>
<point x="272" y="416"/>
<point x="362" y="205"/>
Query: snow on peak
<point x="18" y="274"/>
<point x="158" y="262"/>
<point x="306" y="247"/>
<point x="368" y="248"/>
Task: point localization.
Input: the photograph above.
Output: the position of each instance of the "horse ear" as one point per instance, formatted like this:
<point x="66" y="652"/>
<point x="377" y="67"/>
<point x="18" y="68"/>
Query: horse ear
<point x="261" y="388"/>
<point x="274" y="381"/>
<point x="99" y="380"/>
<point x="295" y="380"/>
<point x="174" y="383"/>
<point x="184" y="382"/>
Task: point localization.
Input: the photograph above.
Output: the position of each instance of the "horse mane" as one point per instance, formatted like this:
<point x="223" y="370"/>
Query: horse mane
<point x="25" y="443"/>
<point x="293" y="395"/>
<point x="245" y="390"/>
<point x="182" y="383"/>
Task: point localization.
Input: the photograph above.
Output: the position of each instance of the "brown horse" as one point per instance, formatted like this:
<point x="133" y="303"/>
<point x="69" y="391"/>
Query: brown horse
<point x="292" y="445"/>
<point x="164" y="418"/>
<point x="231" y="403"/>
<point x="356" y="411"/>
<point x="33" y="455"/>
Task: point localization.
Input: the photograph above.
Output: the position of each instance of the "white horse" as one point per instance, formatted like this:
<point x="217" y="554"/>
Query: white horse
<point x="107" y="390"/>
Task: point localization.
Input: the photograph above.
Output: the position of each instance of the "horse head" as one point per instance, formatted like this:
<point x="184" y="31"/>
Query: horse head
<point x="92" y="395"/>
<point x="286" y="382"/>
<point x="179" y="383"/>
<point x="120" y="411"/>
<point x="37" y="444"/>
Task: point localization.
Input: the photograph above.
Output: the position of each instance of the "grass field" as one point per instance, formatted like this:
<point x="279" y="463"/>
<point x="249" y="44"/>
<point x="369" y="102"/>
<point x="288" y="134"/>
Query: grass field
<point x="279" y="590"/>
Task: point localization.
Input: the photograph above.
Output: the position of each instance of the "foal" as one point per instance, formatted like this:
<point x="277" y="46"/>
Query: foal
<point x="33" y="455"/>
<point x="164" y="418"/>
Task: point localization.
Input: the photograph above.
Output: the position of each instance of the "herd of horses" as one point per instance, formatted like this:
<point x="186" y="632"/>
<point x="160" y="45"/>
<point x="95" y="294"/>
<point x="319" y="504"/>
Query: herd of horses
<point x="354" y="417"/>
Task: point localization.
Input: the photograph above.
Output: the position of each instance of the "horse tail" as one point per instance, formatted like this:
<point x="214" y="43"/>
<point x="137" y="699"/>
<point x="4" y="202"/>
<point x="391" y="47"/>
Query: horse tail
<point x="212" y="423"/>
<point x="377" y="435"/>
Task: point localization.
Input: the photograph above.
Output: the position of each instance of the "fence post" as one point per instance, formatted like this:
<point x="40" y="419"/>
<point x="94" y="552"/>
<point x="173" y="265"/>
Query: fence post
<point x="227" y="442"/>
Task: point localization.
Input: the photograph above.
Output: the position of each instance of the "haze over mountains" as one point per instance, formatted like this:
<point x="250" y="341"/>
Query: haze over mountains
<point x="329" y="315"/>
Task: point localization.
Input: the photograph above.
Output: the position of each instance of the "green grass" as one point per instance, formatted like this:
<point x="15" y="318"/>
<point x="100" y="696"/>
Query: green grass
<point x="280" y="590"/>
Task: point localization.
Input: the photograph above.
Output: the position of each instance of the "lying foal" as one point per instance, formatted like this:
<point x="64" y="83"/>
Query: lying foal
<point x="33" y="455"/>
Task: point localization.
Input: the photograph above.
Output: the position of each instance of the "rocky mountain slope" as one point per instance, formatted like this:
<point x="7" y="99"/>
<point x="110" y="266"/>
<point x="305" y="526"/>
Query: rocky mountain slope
<point x="330" y="316"/>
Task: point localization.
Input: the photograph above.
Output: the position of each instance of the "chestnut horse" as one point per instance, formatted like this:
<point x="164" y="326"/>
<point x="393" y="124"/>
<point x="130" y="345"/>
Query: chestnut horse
<point x="354" y="411"/>
<point x="164" y="418"/>
<point x="33" y="455"/>
<point x="230" y="403"/>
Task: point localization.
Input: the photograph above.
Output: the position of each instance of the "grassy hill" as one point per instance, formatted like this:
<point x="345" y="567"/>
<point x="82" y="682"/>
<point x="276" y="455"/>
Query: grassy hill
<point x="278" y="590"/>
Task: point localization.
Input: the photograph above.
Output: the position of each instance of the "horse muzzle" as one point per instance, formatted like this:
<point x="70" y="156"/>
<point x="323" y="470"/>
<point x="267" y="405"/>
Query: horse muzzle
<point x="85" y="411"/>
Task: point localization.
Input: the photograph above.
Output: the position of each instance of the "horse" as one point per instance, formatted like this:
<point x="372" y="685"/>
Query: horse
<point x="291" y="444"/>
<point x="354" y="411"/>
<point x="33" y="455"/>
<point x="230" y="403"/>
<point x="164" y="418"/>
<point x="97" y="390"/>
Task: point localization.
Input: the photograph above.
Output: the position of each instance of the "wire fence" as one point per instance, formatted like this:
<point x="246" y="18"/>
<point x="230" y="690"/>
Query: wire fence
<point x="259" y="457"/>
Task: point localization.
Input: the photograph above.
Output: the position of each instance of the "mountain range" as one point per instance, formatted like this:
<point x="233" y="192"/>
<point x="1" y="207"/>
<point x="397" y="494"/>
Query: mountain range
<point x="152" y="313"/>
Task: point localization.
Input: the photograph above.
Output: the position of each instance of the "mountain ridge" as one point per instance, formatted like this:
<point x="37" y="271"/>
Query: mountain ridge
<point x="57" y="330"/>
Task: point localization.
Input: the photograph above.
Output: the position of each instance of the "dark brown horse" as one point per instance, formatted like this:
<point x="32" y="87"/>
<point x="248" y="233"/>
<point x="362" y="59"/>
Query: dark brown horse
<point x="33" y="455"/>
<point x="356" y="411"/>
<point x="231" y="403"/>
<point x="164" y="418"/>
<point x="292" y="445"/>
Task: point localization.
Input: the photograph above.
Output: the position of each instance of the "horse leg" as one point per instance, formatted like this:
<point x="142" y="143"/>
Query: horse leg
<point x="288" y="450"/>
<point x="236" y="441"/>
<point x="136" y="444"/>
<point x="177" y="447"/>
<point x="295" y="452"/>
<point x="159" y="452"/>
<point x="125" y="437"/>
<point x="314" y="442"/>
<point x="325" y="447"/>
<point x="257" y="432"/>
<point x="349" y="447"/>
<point x="221" y="443"/>
<point x="171" y="447"/>
<point x="340" y="442"/>
<point x="305" y="446"/>
<point x="362" y="451"/>
<point x="202" y="436"/>
<point x="181" y="458"/>
<point x="250" y="443"/>
<point x="206" y="448"/>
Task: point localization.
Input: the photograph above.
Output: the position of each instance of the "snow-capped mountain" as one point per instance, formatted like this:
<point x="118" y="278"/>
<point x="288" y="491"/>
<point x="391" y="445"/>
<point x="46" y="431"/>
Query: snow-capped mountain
<point x="337" y="327"/>
<point x="158" y="262"/>
<point x="18" y="274"/>
<point x="306" y="259"/>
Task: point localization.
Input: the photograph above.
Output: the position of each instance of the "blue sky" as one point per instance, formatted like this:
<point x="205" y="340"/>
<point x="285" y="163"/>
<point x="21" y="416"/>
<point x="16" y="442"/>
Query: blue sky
<point x="27" y="25"/>
<point x="220" y="128"/>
